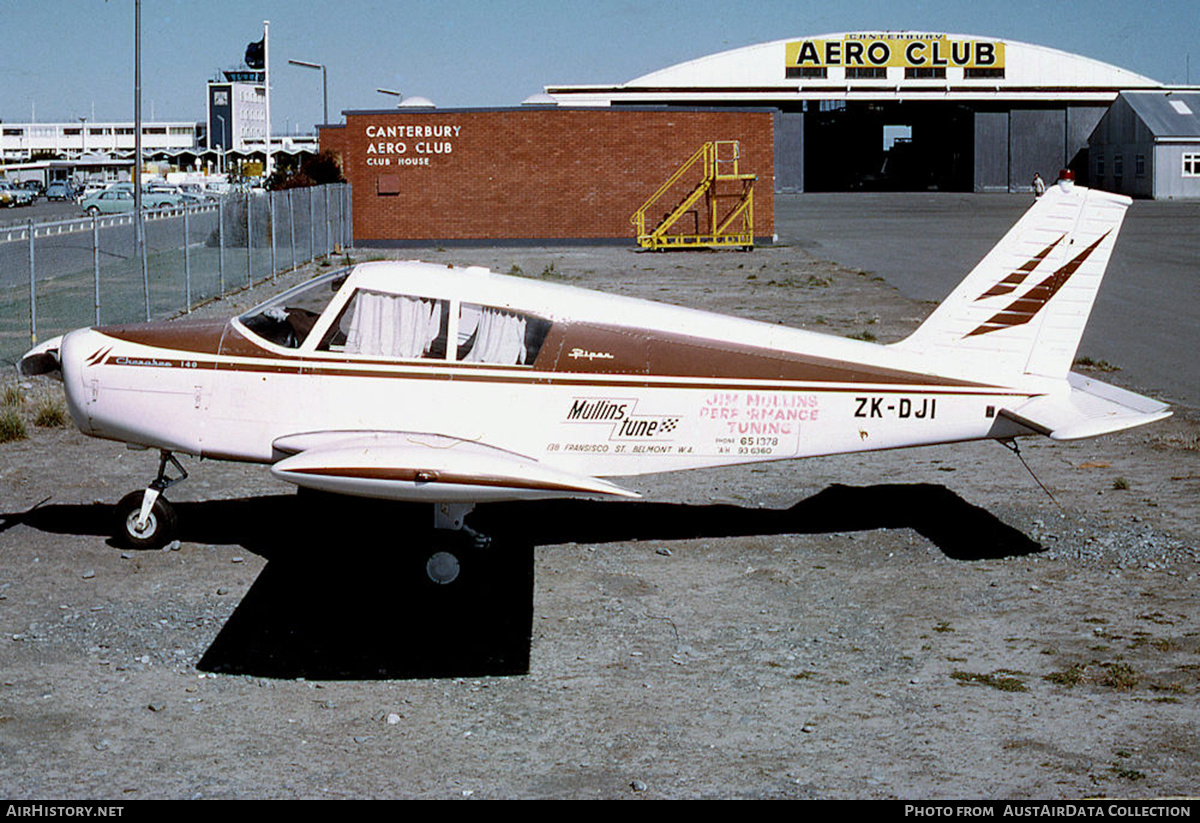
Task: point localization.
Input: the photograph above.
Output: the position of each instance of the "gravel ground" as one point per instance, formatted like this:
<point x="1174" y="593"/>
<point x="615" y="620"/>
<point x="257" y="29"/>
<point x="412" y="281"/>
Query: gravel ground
<point x="924" y="623"/>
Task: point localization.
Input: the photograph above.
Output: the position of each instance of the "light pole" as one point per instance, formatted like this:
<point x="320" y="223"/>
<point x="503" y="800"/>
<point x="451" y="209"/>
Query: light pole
<point x="82" y="137"/>
<point x="222" y="144"/>
<point x="324" y="86"/>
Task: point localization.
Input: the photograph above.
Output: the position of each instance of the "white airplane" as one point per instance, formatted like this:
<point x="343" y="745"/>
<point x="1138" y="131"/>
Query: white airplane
<point x="419" y="382"/>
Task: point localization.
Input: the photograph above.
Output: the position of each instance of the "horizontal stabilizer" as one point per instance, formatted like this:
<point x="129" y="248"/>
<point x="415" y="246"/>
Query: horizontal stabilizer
<point x="425" y="467"/>
<point x="1089" y="409"/>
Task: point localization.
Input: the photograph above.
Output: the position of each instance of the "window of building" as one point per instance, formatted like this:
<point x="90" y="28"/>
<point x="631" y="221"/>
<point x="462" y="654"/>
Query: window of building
<point x="1118" y="166"/>
<point x="924" y="73"/>
<point x="14" y="132"/>
<point x="983" y="74"/>
<point x="1099" y="165"/>
<point x="866" y="73"/>
<point x="1139" y="165"/>
<point x="811" y="72"/>
<point x="1191" y="165"/>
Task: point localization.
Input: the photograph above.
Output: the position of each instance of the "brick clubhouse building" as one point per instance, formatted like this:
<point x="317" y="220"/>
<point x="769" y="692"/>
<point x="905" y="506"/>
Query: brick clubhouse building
<point x="425" y="176"/>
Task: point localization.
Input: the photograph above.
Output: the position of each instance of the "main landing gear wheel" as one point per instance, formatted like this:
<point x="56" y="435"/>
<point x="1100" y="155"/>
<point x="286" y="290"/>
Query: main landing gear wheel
<point x="158" y="530"/>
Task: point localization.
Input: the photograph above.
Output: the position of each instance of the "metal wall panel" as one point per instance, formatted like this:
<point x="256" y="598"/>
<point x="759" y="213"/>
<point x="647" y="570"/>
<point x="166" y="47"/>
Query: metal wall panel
<point x="991" y="151"/>
<point x="1169" y="181"/>
<point x="789" y="152"/>
<point x="1037" y="144"/>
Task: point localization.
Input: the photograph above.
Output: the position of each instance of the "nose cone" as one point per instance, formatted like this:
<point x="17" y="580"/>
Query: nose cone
<point x="75" y="354"/>
<point x="42" y="359"/>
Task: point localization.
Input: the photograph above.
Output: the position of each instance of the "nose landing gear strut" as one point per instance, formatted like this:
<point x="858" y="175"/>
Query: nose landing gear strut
<point x="144" y="519"/>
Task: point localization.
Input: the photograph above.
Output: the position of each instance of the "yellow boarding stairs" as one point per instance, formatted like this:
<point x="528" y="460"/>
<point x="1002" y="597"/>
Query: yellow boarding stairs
<point x="719" y="164"/>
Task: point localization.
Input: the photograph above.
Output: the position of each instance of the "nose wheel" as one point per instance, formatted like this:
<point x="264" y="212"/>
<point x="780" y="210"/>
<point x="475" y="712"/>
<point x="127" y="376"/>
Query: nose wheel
<point x="145" y="534"/>
<point x="144" y="519"/>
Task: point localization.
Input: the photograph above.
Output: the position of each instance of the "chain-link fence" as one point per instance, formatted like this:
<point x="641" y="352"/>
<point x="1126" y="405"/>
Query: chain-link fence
<point x="62" y="275"/>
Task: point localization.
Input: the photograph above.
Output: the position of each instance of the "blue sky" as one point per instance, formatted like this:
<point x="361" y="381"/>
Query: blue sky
<point x="64" y="59"/>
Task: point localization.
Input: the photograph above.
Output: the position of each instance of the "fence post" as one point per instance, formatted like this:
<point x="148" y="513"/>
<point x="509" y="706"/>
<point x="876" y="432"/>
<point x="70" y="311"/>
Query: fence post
<point x="221" y="246"/>
<point x="292" y="227"/>
<point x="271" y="220"/>
<point x="312" y="218"/>
<point x="140" y="234"/>
<point x="32" y="290"/>
<point x="249" y="242"/>
<point x="187" y="266"/>
<point x="96" y="261"/>
<point x="328" y="224"/>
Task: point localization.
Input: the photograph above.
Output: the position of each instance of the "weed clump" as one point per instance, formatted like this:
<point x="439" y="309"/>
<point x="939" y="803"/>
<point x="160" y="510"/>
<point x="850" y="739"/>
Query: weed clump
<point x="12" y="427"/>
<point x="999" y="680"/>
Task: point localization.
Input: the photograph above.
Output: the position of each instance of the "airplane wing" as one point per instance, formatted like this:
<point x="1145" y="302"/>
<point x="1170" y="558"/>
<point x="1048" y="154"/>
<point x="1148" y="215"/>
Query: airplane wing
<point x="1089" y="409"/>
<point x="425" y="467"/>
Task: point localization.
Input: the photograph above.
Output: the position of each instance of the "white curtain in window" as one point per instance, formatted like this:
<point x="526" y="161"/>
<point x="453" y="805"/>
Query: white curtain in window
<point x="392" y="325"/>
<point x="499" y="338"/>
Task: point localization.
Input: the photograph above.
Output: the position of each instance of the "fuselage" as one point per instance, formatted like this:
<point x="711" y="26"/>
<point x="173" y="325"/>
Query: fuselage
<point x="601" y="386"/>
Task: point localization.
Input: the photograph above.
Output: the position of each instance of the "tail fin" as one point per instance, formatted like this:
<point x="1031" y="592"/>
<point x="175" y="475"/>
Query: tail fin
<point x="1024" y="307"/>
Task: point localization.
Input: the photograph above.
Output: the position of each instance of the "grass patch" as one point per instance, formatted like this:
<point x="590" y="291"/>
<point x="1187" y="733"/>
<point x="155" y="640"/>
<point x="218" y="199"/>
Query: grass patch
<point x="50" y="416"/>
<point x="1095" y="365"/>
<point x="12" y="397"/>
<point x="1071" y="677"/>
<point x="11" y="427"/>
<point x="1126" y="773"/>
<point x="1119" y="676"/>
<point x="1120" y="485"/>
<point x="1000" y="680"/>
<point x="866" y="335"/>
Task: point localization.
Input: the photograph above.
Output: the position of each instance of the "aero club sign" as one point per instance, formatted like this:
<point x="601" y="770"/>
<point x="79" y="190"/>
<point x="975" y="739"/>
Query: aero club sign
<point x="903" y="50"/>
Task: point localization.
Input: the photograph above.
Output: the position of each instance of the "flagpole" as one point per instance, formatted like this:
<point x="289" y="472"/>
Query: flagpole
<point x="267" y="83"/>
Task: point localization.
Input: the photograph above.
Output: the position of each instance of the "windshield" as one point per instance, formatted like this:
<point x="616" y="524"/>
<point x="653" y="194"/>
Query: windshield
<point x="287" y="319"/>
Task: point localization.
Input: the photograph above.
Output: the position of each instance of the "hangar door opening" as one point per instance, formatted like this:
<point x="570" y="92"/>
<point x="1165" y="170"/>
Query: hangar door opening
<point x="888" y="147"/>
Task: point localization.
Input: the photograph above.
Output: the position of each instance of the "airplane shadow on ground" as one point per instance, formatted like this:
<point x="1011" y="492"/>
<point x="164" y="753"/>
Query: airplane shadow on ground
<point x="344" y="594"/>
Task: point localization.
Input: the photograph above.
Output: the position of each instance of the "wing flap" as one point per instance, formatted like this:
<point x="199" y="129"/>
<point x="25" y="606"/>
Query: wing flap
<point x="425" y="467"/>
<point x="1089" y="409"/>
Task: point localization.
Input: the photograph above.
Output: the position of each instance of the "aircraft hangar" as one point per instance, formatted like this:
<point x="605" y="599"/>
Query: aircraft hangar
<point x="901" y="111"/>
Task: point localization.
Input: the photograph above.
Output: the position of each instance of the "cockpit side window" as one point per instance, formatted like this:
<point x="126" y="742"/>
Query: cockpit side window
<point x="390" y="325"/>
<point x="287" y="319"/>
<point x="501" y="336"/>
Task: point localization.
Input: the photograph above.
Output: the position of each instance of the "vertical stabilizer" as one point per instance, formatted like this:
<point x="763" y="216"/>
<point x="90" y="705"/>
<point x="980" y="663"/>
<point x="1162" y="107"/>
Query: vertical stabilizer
<point x="1023" y="309"/>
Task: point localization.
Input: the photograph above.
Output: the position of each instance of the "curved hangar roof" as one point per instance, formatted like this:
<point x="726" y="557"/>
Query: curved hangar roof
<point x="871" y="66"/>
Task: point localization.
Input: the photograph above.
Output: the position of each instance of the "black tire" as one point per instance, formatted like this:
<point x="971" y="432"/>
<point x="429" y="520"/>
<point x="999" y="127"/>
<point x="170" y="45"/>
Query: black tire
<point x="92" y="211"/>
<point x="160" y="529"/>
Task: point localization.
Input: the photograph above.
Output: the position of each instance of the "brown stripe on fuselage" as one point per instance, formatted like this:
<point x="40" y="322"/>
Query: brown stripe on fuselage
<point x="573" y="354"/>
<point x="185" y="336"/>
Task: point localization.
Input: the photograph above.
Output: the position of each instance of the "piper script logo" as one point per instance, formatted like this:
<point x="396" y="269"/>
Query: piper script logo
<point x="583" y="354"/>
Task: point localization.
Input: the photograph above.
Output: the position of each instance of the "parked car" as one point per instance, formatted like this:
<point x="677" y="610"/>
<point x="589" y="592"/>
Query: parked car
<point x="60" y="190"/>
<point x="14" y="195"/>
<point x="119" y="198"/>
<point x="34" y="186"/>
